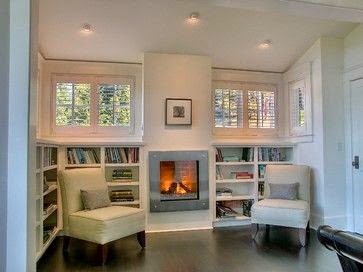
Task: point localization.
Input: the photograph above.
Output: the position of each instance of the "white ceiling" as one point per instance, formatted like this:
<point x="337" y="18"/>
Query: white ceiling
<point x="124" y="29"/>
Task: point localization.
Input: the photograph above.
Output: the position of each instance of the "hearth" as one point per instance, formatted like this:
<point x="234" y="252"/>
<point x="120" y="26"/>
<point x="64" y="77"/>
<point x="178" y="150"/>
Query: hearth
<point x="178" y="180"/>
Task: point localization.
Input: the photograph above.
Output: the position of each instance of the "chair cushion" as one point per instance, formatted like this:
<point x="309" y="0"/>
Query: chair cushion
<point x="107" y="224"/>
<point x="281" y="212"/>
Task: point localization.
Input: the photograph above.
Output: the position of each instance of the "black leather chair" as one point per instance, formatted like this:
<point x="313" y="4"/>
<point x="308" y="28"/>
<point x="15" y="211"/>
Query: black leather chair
<point x="347" y="245"/>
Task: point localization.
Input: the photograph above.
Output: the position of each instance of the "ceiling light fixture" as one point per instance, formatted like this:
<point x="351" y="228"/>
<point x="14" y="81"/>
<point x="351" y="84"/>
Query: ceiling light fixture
<point x="193" y="18"/>
<point x="87" y="28"/>
<point x="265" y="44"/>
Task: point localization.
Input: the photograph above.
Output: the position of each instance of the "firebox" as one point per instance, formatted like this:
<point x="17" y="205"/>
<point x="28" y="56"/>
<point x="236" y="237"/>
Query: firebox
<point x="178" y="180"/>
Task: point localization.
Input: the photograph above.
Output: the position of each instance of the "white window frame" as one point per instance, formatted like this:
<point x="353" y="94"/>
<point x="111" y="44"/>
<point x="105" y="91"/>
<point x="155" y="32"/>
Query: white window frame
<point x="245" y="130"/>
<point x="299" y="77"/>
<point x="94" y="129"/>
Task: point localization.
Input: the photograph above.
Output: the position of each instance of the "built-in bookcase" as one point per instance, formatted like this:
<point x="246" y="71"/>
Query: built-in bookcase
<point x="47" y="197"/>
<point x="239" y="178"/>
<point x="121" y="165"/>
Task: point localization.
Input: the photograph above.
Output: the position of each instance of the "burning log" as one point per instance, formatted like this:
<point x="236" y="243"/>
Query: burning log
<point x="185" y="188"/>
<point x="173" y="188"/>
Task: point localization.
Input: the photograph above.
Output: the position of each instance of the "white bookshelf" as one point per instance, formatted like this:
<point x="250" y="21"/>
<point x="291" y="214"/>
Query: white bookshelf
<point x="110" y="163"/>
<point x="46" y="168"/>
<point x="251" y="159"/>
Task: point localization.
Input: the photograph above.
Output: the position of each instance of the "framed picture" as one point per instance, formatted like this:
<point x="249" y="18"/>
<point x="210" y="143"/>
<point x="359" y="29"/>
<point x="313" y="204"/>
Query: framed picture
<point x="178" y="111"/>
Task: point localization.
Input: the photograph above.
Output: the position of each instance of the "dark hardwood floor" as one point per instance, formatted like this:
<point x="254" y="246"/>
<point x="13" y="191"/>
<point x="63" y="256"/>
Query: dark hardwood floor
<point x="223" y="249"/>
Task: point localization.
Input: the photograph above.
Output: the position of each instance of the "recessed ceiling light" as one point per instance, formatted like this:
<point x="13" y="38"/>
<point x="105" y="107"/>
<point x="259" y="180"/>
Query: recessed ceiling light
<point x="265" y="44"/>
<point x="86" y="28"/>
<point x="193" y="18"/>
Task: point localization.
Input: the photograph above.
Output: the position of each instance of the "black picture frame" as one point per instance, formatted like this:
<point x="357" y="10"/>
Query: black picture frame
<point x="178" y="111"/>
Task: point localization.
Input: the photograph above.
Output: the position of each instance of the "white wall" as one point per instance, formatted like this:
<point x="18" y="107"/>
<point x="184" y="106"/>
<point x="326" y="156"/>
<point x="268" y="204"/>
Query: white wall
<point x="4" y="92"/>
<point x="353" y="48"/>
<point x="312" y="154"/>
<point x="50" y="67"/>
<point x="17" y="160"/>
<point x="334" y="133"/>
<point x="326" y="154"/>
<point x="176" y="76"/>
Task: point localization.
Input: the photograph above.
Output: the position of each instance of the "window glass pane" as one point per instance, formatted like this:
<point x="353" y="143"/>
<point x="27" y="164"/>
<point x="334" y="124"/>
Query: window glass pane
<point x="114" y="105"/>
<point x="73" y="104"/>
<point x="261" y="109"/>
<point x="64" y="116"/>
<point x="228" y="108"/>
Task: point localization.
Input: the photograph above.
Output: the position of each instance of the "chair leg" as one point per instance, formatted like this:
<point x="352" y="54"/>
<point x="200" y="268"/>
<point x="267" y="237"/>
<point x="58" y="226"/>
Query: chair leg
<point x="302" y="237"/>
<point x="141" y="238"/>
<point x="267" y="228"/>
<point x="254" y="230"/>
<point x="66" y="240"/>
<point x="308" y="227"/>
<point x="103" y="252"/>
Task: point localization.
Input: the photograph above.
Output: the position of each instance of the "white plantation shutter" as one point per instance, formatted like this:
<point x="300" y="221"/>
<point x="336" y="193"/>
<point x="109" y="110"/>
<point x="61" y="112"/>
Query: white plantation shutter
<point x="261" y="109"/>
<point x="228" y="108"/>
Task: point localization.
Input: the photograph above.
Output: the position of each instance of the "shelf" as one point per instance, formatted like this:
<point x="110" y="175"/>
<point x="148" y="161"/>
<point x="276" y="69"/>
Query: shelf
<point x="122" y="164"/>
<point x="261" y="180"/>
<point x="234" y="163"/>
<point x="125" y="183"/>
<point x="226" y="198"/>
<point x="275" y="162"/>
<point x="86" y="165"/>
<point x="45" y="216"/>
<point x="136" y="202"/>
<point x="50" y="167"/>
<point x="50" y="189"/>
<point x="234" y="218"/>
<point x="47" y="243"/>
<point x="221" y="181"/>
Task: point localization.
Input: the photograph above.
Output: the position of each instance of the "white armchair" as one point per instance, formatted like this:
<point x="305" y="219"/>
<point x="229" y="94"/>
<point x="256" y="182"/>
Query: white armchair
<point x="282" y="212"/>
<point x="101" y="225"/>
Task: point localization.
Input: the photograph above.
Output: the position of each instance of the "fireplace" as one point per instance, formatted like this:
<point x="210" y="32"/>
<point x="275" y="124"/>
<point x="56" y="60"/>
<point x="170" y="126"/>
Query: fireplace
<point x="178" y="180"/>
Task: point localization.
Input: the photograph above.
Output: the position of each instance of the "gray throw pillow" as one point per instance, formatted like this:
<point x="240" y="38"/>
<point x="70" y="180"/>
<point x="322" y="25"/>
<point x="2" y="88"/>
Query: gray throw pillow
<point x="284" y="190"/>
<point x="93" y="199"/>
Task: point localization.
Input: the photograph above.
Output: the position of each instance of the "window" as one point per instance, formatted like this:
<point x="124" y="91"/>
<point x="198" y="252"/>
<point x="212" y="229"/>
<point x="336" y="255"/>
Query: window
<point x="114" y="105"/>
<point x="297" y="107"/>
<point x="228" y="108"/>
<point x="244" y="108"/>
<point x="261" y="109"/>
<point x="73" y="104"/>
<point x="93" y="104"/>
<point x="298" y="86"/>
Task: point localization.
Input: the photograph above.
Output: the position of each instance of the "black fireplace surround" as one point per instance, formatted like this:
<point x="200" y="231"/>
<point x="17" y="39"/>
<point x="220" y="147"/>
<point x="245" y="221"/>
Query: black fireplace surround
<point x="179" y="181"/>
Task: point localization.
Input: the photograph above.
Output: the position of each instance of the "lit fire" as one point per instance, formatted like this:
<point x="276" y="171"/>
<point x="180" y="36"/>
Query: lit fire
<point x="178" y="180"/>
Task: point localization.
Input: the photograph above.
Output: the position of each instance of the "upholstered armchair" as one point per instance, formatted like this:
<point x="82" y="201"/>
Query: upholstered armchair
<point x="101" y="225"/>
<point x="283" y="212"/>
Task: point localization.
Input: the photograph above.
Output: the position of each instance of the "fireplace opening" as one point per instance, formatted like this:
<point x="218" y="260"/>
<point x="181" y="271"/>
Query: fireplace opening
<point x="179" y="180"/>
